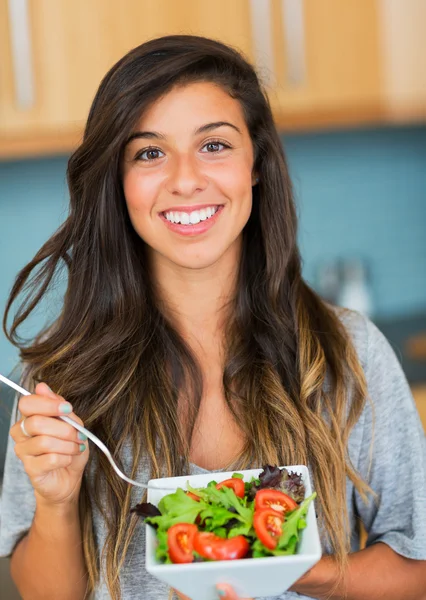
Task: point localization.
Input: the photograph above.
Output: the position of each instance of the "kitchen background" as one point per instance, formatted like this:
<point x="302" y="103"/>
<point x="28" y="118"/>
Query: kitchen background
<point x="347" y="83"/>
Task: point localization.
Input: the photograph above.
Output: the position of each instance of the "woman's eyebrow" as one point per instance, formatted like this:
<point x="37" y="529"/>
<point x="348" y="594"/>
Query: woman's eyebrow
<point x="202" y="129"/>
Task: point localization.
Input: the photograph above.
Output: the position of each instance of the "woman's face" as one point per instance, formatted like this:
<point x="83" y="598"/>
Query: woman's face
<point x="187" y="176"/>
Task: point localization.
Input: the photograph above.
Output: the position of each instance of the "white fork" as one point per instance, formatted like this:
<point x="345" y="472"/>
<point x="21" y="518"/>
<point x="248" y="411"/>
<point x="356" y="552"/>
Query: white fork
<point x="91" y="437"/>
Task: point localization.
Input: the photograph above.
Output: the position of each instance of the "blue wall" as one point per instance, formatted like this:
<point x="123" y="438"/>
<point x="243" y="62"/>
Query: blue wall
<point x="33" y="203"/>
<point x="360" y="193"/>
<point x="363" y="194"/>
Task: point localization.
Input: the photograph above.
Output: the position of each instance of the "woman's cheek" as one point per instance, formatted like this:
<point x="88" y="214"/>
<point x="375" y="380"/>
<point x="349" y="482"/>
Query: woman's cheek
<point x="138" y="194"/>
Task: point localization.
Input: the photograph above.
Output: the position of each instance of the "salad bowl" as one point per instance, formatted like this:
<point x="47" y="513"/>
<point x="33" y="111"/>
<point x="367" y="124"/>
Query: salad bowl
<point x="250" y="577"/>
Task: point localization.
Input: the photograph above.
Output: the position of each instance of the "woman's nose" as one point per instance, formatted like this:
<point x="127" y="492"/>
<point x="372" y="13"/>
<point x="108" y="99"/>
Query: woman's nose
<point x="186" y="177"/>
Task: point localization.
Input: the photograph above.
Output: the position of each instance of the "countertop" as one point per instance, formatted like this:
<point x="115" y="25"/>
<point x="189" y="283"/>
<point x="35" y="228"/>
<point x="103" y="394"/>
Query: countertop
<point x="406" y="337"/>
<point x="400" y="332"/>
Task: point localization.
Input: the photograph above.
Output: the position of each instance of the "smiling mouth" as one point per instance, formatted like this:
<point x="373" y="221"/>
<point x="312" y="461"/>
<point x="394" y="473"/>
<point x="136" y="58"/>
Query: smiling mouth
<point x="191" y="218"/>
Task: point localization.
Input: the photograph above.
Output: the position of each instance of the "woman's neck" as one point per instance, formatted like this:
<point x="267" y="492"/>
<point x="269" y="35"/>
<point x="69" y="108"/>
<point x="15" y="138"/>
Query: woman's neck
<point x="196" y="300"/>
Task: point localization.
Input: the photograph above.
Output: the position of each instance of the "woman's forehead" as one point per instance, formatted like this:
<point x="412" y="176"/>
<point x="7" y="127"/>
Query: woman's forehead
<point x="192" y="107"/>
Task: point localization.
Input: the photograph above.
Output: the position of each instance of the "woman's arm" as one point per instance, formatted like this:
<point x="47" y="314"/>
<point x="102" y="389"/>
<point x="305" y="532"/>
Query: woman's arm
<point x="48" y="563"/>
<point x="376" y="572"/>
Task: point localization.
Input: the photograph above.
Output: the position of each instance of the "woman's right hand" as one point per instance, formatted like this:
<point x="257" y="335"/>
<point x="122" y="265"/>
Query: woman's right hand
<point x="54" y="457"/>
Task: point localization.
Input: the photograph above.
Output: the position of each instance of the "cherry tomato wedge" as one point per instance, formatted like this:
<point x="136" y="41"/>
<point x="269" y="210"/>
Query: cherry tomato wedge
<point x="268" y="526"/>
<point x="213" y="547"/>
<point x="278" y="501"/>
<point x="193" y="496"/>
<point x="180" y="539"/>
<point x="235" y="484"/>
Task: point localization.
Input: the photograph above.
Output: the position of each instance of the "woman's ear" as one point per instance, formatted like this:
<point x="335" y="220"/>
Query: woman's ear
<point x="254" y="179"/>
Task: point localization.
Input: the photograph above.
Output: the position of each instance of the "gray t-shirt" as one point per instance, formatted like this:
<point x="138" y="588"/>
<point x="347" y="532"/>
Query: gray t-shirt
<point x="398" y="474"/>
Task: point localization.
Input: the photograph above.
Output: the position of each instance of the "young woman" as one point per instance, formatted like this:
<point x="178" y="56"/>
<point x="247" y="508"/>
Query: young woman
<point x="189" y="342"/>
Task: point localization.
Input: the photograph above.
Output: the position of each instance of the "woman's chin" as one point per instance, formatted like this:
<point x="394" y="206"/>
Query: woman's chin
<point x="201" y="256"/>
<point x="197" y="263"/>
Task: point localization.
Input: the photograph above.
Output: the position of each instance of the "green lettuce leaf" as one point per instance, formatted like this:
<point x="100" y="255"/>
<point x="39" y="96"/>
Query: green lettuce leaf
<point x="162" y="550"/>
<point x="177" y="508"/>
<point x="294" y="521"/>
<point x="243" y="529"/>
<point x="221" y="532"/>
<point x="216" y="516"/>
<point x="223" y="505"/>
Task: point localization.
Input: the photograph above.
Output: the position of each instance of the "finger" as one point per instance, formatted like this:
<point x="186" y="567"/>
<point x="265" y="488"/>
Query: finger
<point x="44" y="402"/>
<point x="44" y="444"/>
<point x="37" y="466"/>
<point x="181" y="596"/>
<point x="53" y="427"/>
<point x="226" y="592"/>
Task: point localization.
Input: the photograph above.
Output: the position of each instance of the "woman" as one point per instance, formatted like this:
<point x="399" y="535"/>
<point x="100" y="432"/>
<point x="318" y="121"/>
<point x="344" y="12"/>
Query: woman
<point x="185" y="307"/>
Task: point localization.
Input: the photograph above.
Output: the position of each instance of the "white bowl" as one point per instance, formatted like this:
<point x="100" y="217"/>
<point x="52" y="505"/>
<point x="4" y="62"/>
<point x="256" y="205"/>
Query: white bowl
<point x="250" y="577"/>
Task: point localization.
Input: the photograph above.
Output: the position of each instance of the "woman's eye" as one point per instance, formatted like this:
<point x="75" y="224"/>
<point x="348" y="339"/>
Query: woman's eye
<point x="148" y="155"/>
<point x="152" y="154"/>
<point x="213" y="145"/>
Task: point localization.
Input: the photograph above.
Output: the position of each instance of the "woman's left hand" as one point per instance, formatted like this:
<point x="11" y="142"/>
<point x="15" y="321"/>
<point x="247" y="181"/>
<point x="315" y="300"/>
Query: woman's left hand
<point x="310" y="581"/>
<point x="224" y="592"/>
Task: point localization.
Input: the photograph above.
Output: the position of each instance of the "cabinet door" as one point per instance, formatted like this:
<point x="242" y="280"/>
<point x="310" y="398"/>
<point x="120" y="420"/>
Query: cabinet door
<point x="327" y="62"/>
<point x="403" y="35"/>
<point x="73" y="44"/>
<point x="224" y="20"/>
<point x="71" y="47"/>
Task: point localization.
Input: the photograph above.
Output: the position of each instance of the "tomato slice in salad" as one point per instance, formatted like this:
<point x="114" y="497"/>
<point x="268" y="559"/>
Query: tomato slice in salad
<point x="180" y="540"/>
<point x="235" y="484"/>
<point x="193" y="496"/>
<point x="278" y="501"/>
<point x="268" y="525"/>
<point x="209" y="545"/>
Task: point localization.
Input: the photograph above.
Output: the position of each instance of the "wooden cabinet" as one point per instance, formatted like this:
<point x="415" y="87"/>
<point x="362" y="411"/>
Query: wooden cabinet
<point x="402" y="33"/>
<point x="73" y="44"/>
<point x="419" y="394"/>
<point x="326" y="63"/>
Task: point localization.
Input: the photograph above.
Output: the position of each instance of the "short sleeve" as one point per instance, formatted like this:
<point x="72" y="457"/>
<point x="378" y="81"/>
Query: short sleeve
<point x="17" y="502"/>
<point x="395" y="463"/>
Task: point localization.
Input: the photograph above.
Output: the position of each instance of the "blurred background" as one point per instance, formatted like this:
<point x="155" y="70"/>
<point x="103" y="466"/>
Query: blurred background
<point x="347" y="84"/>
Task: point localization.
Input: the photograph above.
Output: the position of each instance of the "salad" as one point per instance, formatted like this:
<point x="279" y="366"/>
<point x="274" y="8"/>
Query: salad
<point x="230" y="520"/>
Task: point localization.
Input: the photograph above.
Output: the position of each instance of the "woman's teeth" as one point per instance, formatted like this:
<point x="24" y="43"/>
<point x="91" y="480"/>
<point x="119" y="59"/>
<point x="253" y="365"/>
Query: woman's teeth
<point x="191" y="218"/>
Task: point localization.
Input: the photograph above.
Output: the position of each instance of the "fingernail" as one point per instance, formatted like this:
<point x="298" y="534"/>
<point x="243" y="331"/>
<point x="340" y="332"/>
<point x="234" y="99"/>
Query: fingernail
<point x="221" y="593"/>
<point x="82" y="436"/>
<point x="65" y="407"/>
<point x="82" y="447"/>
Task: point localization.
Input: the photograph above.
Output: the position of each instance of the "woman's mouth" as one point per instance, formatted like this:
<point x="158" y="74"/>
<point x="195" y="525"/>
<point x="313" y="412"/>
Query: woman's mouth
<point x="192" y="222"/>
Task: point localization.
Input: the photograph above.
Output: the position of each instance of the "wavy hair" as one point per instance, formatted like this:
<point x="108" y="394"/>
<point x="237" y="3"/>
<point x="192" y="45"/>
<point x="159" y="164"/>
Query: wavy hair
<point x="292" y="379"/>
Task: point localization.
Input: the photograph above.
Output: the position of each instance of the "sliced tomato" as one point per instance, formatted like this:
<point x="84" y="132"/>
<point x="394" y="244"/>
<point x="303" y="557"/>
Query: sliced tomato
<point x="235" y="484"/>
<point x="193" y="496"/>
<point x="268" y="526"/>
<point x="180" y="539"/>
<point x="278" y="501"/>
<point x="213" y="547"/>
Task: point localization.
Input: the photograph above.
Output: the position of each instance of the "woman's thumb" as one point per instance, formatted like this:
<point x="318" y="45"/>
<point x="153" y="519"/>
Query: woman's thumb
<point x="225" y="592"/>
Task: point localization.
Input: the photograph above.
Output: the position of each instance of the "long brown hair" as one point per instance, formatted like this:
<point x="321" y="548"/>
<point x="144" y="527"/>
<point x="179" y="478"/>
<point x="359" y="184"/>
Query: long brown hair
<point x="113" y="354"/>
